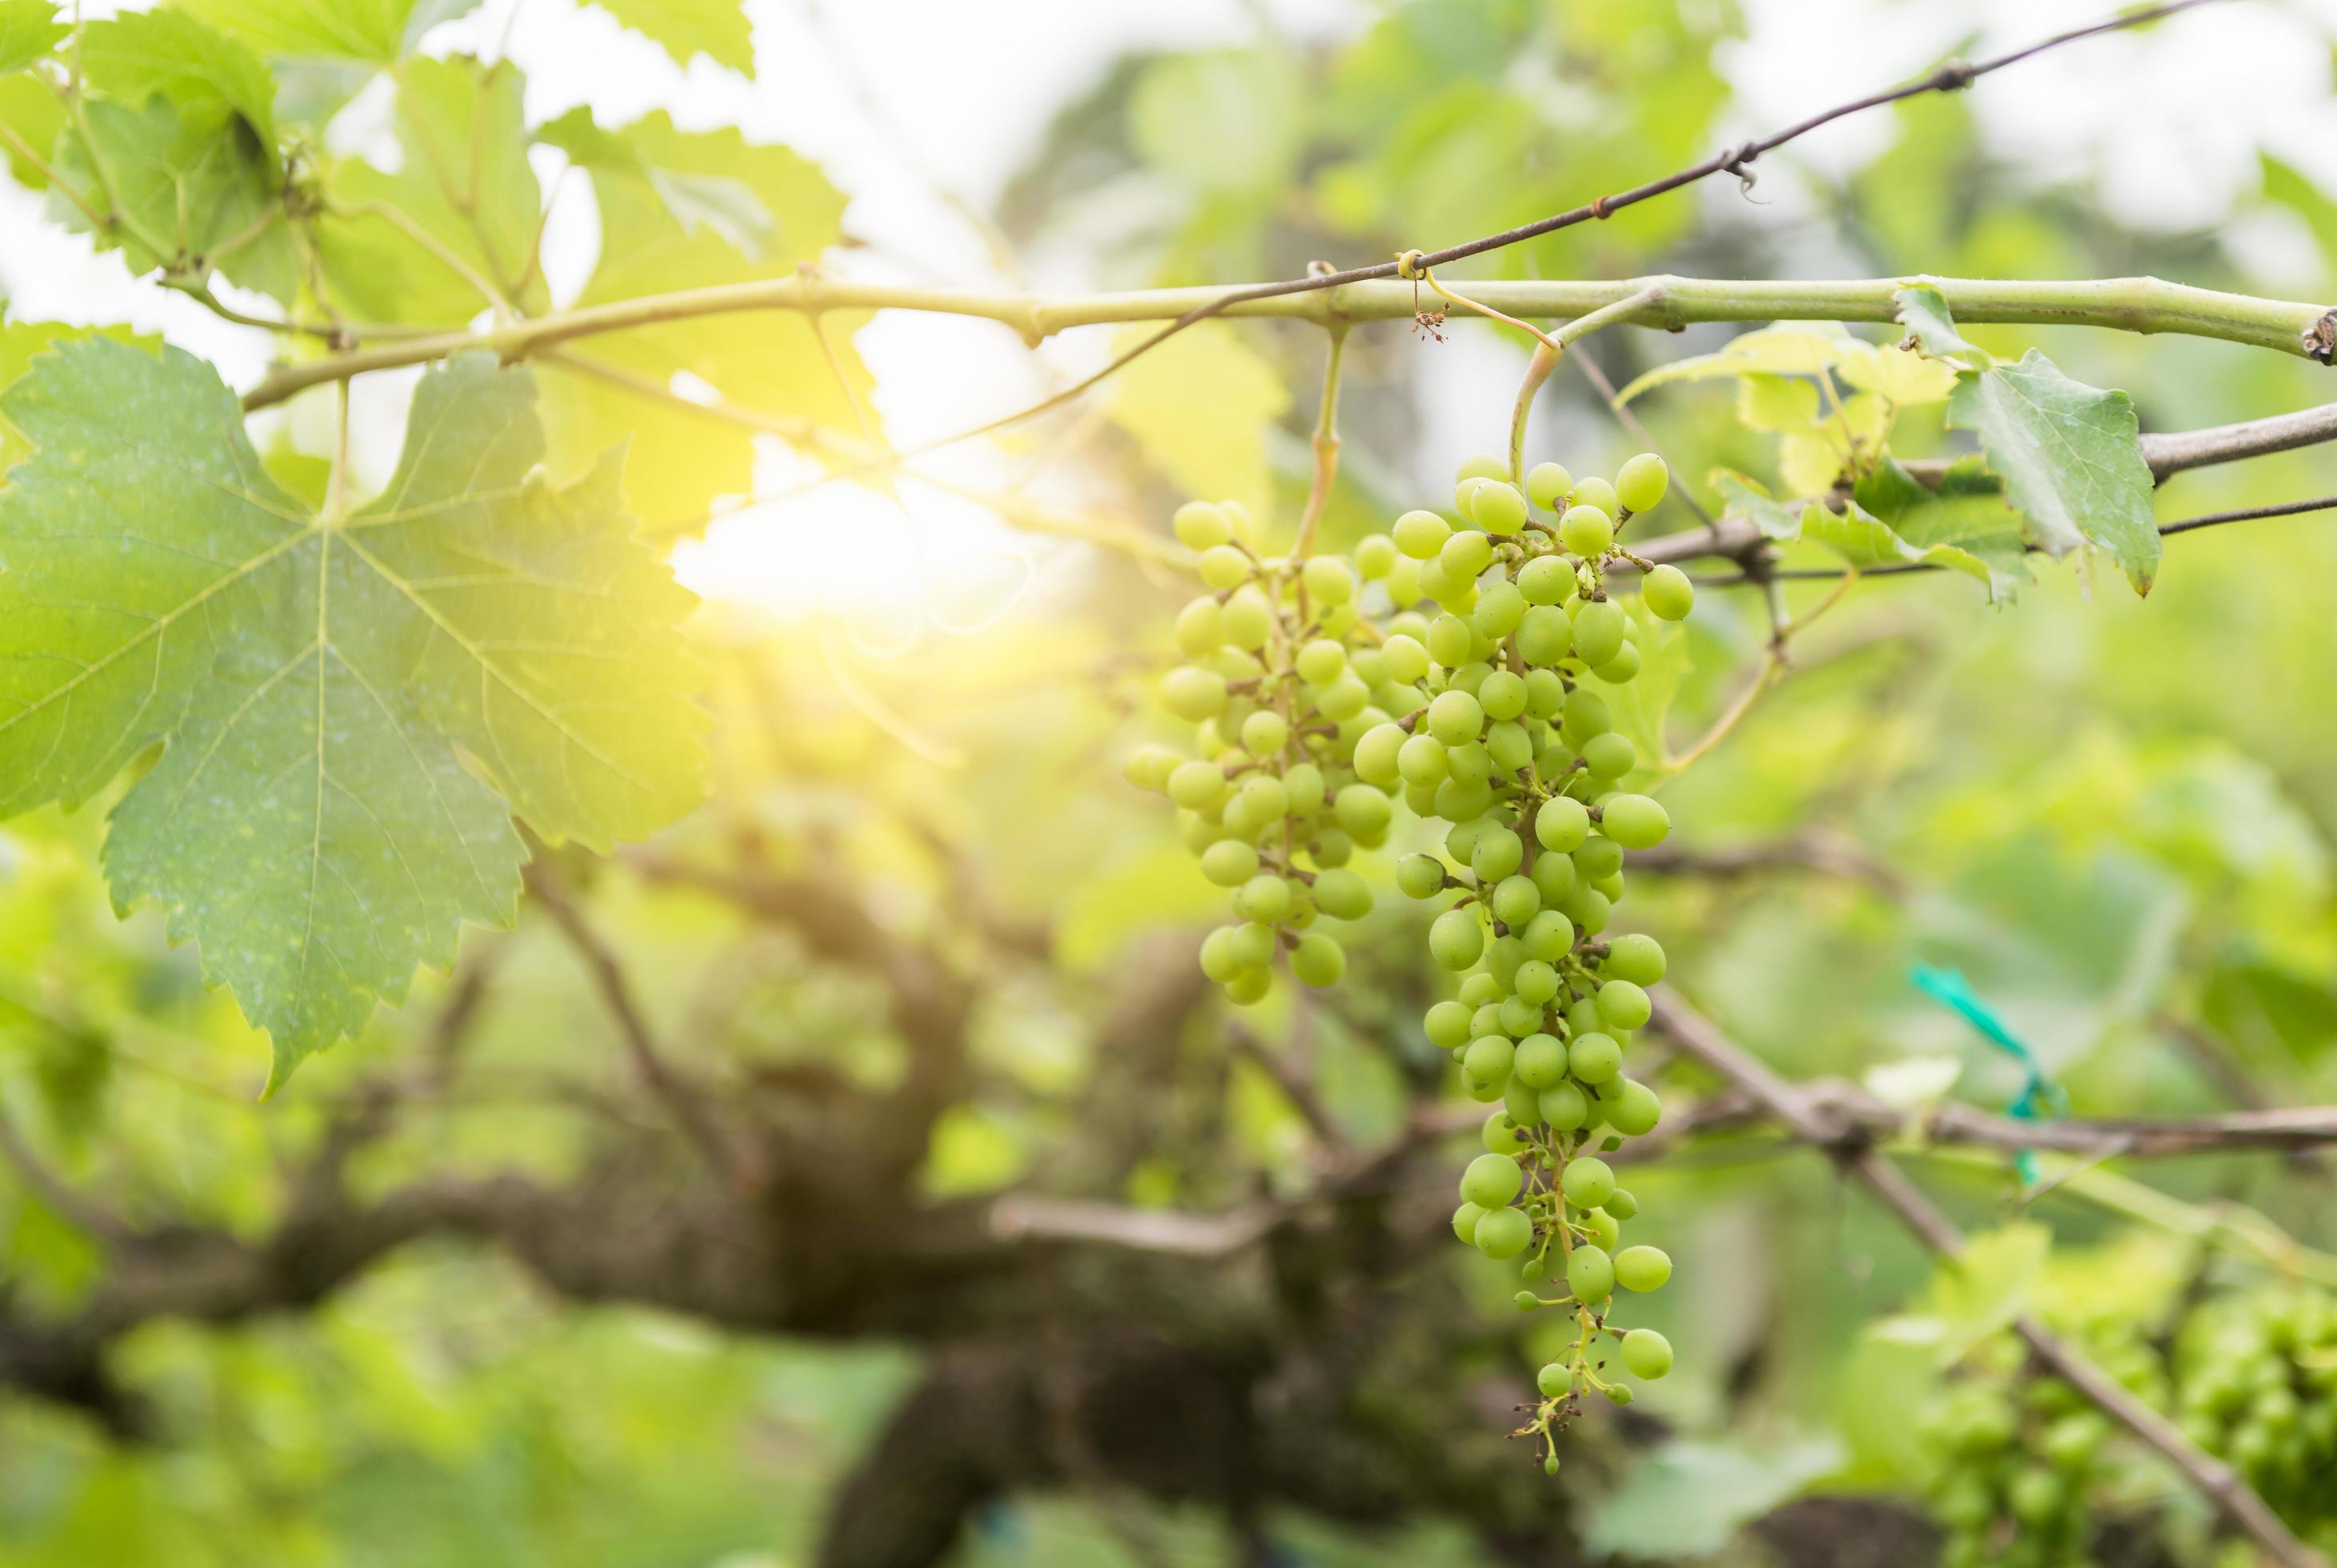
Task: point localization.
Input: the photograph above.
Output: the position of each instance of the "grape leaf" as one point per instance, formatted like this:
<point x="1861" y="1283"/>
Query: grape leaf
<point x="351" y="708"/>
<point x="1967" y="514"/>
<point x="681" y="210"/>
<point x="1741" y="497"/>
<point x="1956" y="533"/>
<point x="718" y="29"/>
<point x="380" y="31"/>
<point x="29" y="29"/>
<point x="1801" y="350"/>
<point x="1923" y="312"/>
<point x="2071" y="457"/>
<point x="464" y="178"/>
<point x="203" y="72"/>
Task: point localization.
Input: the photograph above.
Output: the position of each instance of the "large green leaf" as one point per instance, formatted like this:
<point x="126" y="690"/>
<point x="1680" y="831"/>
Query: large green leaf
<point x="2071" y="456"/>
<point x="718" y="29"/>
<point x="29" y="29"/>
<point x="463" y="179"/>
<point x="1971" y="533"/>
<point x="351" y="708"/>
<point x="170" y="51"/>
<point x="379" y="31"/>
<point x="1965" y="523"/>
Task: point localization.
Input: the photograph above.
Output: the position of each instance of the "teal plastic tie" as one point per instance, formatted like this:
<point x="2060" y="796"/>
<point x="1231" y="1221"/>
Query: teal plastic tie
<point x="2040" y="1098"/>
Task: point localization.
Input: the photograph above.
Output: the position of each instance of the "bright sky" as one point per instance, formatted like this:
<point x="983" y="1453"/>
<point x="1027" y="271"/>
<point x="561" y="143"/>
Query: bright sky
<point x="899" y="99"/>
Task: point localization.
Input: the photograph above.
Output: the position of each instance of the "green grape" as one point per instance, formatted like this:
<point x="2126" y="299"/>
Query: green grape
<point x="1193" y="693"/>
<point x="1363" y="811"/>
<point x="1594" y="1057"/>
<point x="1455" y="717"/>
<point x="1501" y="696"/>
<point x="1623" y="1005"/>
<point x="1549" y="934"/>
<point x="1587" y="1183"/>
<point x="1634" y="1110"/>
<point x="1341" y="894"/>
<point x="1420" y="534"/>
<point x="1470" y="761"/>
<point x="1217" y="961"/>
<point x="1503" y="1234"/>
<point x="1197" y="786"/>
<point x="1249" y="985"/>
<point x="1479" y="989"/>
<point x="1490" y="1180"/>
<point x="1641" y="482"/>
<point x="1404" y="658"/>
<point x="1623" y="668"/>
<point x="1449" y="640"/>
<point x="1588" y="1275"/>
<point x="1610" y="756"/>
<point x="1562" y="824"/>
<point x="1464" y="1222"/>
<point x="1619" y="1394"/>
<point x="1501" y="1134"/>
<point x="1623" y="1206"/>
<point x="1587" y="531"/>
<point x="1595" y="491"/>
<point x="1374" y="556"/>
<point x="1223" y="567"/>
<point x="1522" y="1104"/>
<point x="1516" y="900"/>
<point x="1601" y="1229"/>
<point x="1634" y="821"/>
<point x="1564" y="1107"/>
<point x="1200" y="627"/>
<point x="1253" y="944"/>
<point x="1321" y="661"/>
<point x="1520" y="1016"/>
<point x="1326" y="577"/>
<point x="1377" y="753"/>
<point x="1344" y="699"/>
<point x="1540" y="1061"/>
<point x="1545" y="636"/>
<point x="1202" y="525"/>
<point x="1598" y="629"/>
<point x="1635" y="958"/>
<point x="1265" y="732"/>
<point x="1554" y="1379"/>
<point x="1457" y="940"/>
<point x="1148" y="767"/>
<point x="1554" y="876"/>
<point x="1669" y="593"/>
<point x="1318" y="959"/>
<point x="1596" y="857"/>
<point x="1230" y="863"/>
<point x="1647" y="1353"/>
<point x="1420" y="876"/>
<point x="1509" y="744"/>
<point x="1585" y="714"/>
<point x="1546" y="484"/>
<point x="1481" y="465"/>
<point x="1247" y="619"/>
<point x="1498" y="508"/>
<point x="1446" y="1024"/>
<point x="1465" y="553"/>
<point x="1422" y="760"/>
<point x="1264" y="898"/>
<point x="1536" y="981"/>
<point x="1589" y="909"/>
<point x="1488" y="1060"/>
<point x="1643" y="1269"/>
<point x="1547" y="581"/>
<point x="1498" y="853"/>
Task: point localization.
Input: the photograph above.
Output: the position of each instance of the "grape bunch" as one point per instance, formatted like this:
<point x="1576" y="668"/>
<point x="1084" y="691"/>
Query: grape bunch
<point x="2017" y="1461"/>
<point x="1448" y="668"/>
<point x="2256" y="1379"/>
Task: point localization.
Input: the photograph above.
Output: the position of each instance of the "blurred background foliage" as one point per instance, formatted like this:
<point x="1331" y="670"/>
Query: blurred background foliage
<point x="2114" y="815"/>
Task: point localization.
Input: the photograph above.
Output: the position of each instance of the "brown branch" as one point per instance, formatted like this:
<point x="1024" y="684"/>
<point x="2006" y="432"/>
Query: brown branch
<point x="1855" y="1157"/>
<point x="681" y="1099"/>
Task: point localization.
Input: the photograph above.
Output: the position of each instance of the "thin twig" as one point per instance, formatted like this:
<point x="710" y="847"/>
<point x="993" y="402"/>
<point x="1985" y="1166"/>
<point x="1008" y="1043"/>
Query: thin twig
<point x="1326" y="446"/>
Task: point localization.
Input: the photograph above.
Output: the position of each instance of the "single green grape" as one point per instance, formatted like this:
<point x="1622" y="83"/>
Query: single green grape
<point x="1265" y="732"/>
<point x="1327" y="578"/>
<point x="1555" y="1377"/>
<point x="1490" y="1180"/>
<point x="1641" y="482"/>
<point x="1420" y="534"/>
<point x="1643" y="1269"/>
<point x="1202" y="524"/>
<point x="1446" y="1024"/>
<point x="1217" y="961"/>
<point x="1587" y="531"/>
<point x="1587" y="1183"/>
<point x="1610" y="756"/>
<point x="1498" y="853"/>
<point x="1647" y="1353"/>
<point x="1456" y="718"/>
<point x="1420" y="876"/>
<point x="1193" y="693"/>
<point x="1488" y="1060"/>
<point x="1457" y="940"/>
<point x="1597" y="857"/>
<point x="1546" y="579"/>
<point x="1635" y="958"/>
<point x="1669" y="593"/>
<point x="1624" y="1006"/>
<point x="1549" y="934"/>
<point x="1363" y="811"/>
<point x="1594" y="1057"/>
<point x="1464" y="1222"/>
<point x="1634" y="821"/>
<point x="1544" y="636"/>
<point x="1501" y="694"/>
<point x="1404" y="658"/>
<point x="1595" y="491"/>
<point x="1341" y="894"/>
<point x="1224" y="566"/>
<point x="1540" y="1061"/>
<point x="1467" y="551"/>
<point x="1374" y="556"/>
<point x="1546" y="484"/>
<point x="1481" y="465"/>
<point x="1254" y="943"/>
<point x="1249" y="985"/>
<point x="1516" y="900"/>
<point x="1601" y="1228"/>
<point x="1564" y="1107"/>
<point x="1588" y="1274"/>
<point x="1230" y="863"/>
<point x="1623" y="1206"/>
<point x="1633" y="1109"/>
<point x="1503" y="1232"/>
<point x="1318" y="959"/>
<point x="1561" y="824"/>
<point x="1321" y="661"/>
<point x="1599" y="630"/>
<point x="1264" y="898"/>
<point x="1536" y="982"/>
<point x="1499" y="508"/>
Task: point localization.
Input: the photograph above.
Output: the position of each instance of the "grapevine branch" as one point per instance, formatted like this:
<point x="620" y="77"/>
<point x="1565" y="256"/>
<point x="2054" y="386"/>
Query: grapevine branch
<point x="1855" y="1156"/>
